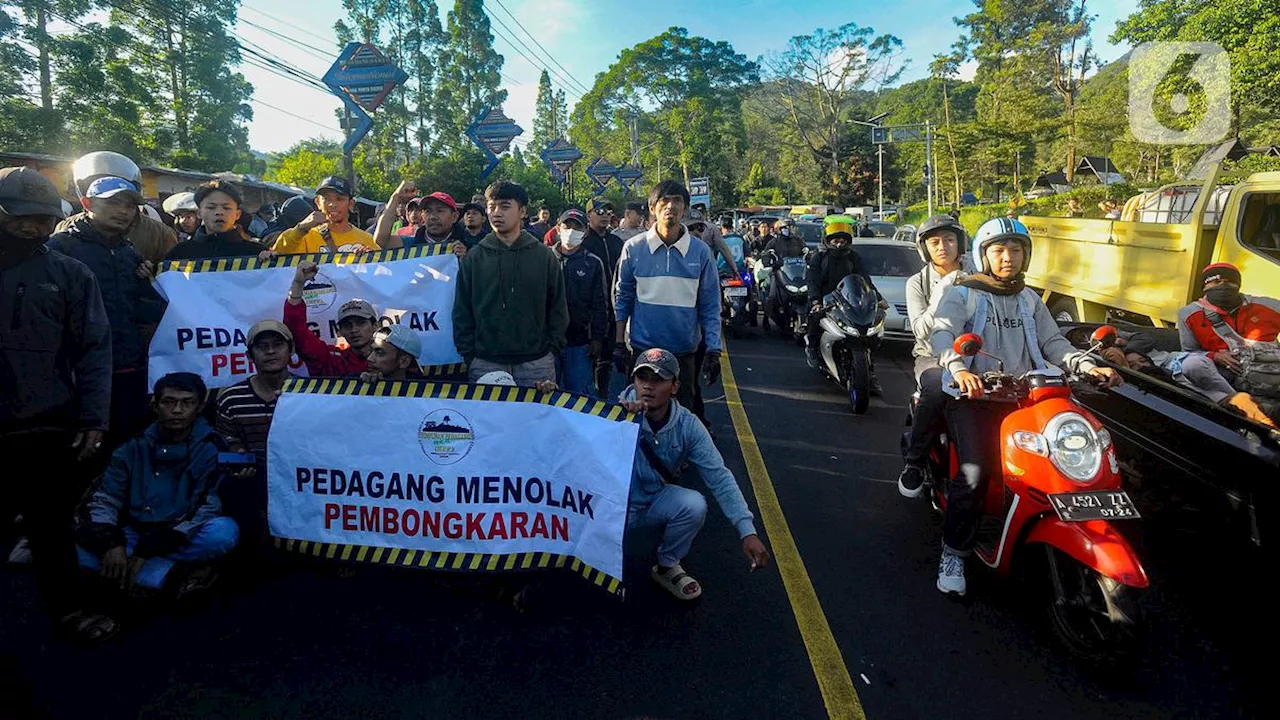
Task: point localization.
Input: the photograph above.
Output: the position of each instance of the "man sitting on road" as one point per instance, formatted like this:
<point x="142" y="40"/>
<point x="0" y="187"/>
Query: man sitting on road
<point x="155" y="520"/>
<point x="830" y="264"/>
<point x="1016" y="328"/>
<point x="356" y="321"/>
<point x="329" y="228"/>
<point x="671" y="436"/>
<point x="394" y="354"/>
<point x="943" y="245"/>
<point x="1238" y="331"/>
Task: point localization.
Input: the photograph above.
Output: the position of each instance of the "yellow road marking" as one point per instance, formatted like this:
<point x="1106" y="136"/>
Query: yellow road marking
<point x="834" y="682"/>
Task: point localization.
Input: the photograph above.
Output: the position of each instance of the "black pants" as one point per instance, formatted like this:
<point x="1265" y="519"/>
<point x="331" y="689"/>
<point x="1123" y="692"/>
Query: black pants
<point x="42" y="481"/>
<point x="699" y="357"/>
<point x="929" y="418"/>
<point x="973" y="427"/>
<point x="130" y="408"/>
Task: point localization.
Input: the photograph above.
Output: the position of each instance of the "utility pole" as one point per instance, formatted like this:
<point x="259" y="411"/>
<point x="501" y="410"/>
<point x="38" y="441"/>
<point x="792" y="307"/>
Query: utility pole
<point x="880" y="177"/>
<point x="634" y="122"/>
<point x="347" y="156"/>
<point x="928" y="162"/>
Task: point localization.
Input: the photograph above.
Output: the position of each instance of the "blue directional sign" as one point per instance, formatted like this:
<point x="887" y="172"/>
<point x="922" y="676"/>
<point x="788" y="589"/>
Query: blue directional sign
<point x="628" y="175"/>
<point x="361" y="125"/>
<point x="601" y="171"/>
<point x="364" y="74"/>
<point x="492" y="132"/>
<point x="560" y="155"/>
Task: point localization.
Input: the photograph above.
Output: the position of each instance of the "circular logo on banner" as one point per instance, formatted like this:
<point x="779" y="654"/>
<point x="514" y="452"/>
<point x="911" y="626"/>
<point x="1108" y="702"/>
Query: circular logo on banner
<point x="319" y="293"/>
<point x="446" y="436"/>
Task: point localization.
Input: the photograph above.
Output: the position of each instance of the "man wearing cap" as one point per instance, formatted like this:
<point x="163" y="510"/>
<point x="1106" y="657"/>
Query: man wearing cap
<point x="244" y="413"/>
<point x="1224" y="321"/>
<point x="182" y="207"/>
<point x="152" y="239"/>
<point x="394" y="354"/>
<point x="329" y="228"/>
<point x="475" y="224"/>
<point x="222" y="226"/>
<point x="55" y="380"/>
<point x="438" y="211"/>
<point x="696" y="222"/>
<point x="584" y="290"/>
<point x="633" y="218"/>
<point x="602" y="243"/>
<point x="411" y="221"/>
<point x="670" y="438"/>
<point x="99" y="240"/>
<point x="356" y="321"/>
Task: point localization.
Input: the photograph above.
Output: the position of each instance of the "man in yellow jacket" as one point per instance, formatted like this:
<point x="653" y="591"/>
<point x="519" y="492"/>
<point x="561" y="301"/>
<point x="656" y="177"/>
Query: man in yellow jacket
<point x="329" y="228"/>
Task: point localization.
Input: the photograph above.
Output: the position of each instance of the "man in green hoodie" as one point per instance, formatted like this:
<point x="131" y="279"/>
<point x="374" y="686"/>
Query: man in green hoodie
<point x="510" y="312"/>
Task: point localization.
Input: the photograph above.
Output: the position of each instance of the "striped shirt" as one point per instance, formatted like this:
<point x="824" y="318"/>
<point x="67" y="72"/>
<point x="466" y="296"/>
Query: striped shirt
<point x="669" y="293"/>
<point x="244" y="419"/>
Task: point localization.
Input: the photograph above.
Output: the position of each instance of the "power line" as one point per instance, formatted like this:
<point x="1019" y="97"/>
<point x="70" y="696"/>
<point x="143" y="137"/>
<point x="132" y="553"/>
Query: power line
<point x="516" y="20"/>
<point x="300" y="45"/>
<point x="564" y="83"/>
<point x="290" y="114"/>
<point x="286" y="23"/>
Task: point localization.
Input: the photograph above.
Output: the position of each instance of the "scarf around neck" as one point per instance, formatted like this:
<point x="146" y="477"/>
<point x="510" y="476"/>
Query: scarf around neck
<point x="992" y="284"/>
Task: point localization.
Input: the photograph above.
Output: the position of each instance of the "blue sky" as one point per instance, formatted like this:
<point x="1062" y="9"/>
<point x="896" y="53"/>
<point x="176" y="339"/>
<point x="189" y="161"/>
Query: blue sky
<point x="586" y="37"/>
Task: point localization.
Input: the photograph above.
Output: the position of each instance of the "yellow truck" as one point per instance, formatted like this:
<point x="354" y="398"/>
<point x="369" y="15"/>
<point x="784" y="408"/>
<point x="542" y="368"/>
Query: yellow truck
<point x="1144" y="269"/>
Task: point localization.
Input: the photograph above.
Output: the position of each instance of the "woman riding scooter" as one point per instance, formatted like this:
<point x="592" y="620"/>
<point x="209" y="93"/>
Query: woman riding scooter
<point x="1017" y="330"/>
<point x="827" y="266"/>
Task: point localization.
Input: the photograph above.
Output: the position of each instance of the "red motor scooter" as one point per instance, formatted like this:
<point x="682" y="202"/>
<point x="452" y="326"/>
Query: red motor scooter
<point x="1052" y="508"/>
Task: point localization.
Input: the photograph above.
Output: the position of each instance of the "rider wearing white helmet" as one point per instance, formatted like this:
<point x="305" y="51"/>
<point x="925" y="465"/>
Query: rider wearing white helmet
<point x="1016" y="329"/>
<point x="151" y="238"/>
<point x="182" y="206"/>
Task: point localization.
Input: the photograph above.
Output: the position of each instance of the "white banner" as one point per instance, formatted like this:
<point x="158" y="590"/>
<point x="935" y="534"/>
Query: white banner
<point x="452" y="476"/>
<point x="213" y="303"/>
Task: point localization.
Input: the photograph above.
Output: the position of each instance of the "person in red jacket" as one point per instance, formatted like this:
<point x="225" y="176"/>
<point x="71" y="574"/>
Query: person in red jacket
<point x="357" y="321"/>
<point x="1207" y="324"/>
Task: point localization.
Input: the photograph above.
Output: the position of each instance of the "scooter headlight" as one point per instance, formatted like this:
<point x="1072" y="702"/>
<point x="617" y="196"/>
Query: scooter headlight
<point x="794" y="289"/>
<point x="1074" y="447"/>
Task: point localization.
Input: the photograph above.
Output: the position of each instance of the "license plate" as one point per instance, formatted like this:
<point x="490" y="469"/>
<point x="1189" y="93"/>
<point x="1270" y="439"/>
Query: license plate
<point x="1094" y="505"/>
<point x="735" y="292"/>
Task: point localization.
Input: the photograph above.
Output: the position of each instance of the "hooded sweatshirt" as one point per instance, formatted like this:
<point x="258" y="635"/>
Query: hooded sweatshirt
<point x="1018" y="329"/>
<point x="924" y="290"/>
<point x="510" y="304"/>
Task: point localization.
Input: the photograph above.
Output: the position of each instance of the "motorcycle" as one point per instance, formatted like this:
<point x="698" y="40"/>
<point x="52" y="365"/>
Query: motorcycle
<point x="852" y="327"/>
<point x="790" y="310"/>
<point x="1052" y="512"/>
<point x="735" y="301"/>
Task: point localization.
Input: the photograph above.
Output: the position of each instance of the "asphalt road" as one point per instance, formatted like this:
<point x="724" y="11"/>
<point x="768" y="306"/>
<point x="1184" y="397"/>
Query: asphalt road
<point x="310" y="640"/>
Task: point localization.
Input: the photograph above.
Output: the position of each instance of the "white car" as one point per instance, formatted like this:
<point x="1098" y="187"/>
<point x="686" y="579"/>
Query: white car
<point x="890" y="263"/>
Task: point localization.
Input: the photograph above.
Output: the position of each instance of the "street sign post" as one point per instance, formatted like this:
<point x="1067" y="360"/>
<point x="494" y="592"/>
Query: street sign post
<point x="700" y="192"/>
<point x="560" y="155"/>
<point x="909" y="133"/>
<point x="492" y="132"/>
<point x="601" y="171"/>
<point x="362" y="77"/>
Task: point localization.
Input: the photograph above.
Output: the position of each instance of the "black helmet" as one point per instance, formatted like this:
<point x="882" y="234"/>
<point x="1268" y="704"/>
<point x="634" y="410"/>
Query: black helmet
<point x="935" y="224"/>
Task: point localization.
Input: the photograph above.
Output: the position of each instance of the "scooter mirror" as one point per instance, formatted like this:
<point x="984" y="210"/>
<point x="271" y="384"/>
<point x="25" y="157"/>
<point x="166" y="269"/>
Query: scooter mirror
<point x="968" y="344"/>
<point x="1104" y="337"/>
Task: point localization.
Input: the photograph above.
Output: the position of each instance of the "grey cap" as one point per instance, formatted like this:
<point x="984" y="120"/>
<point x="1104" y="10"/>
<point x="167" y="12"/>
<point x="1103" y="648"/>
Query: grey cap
<point x="402" y="338"/>
<point x="659" y="361"/>
<point x="357" y="308"/>
<point x="24" y="191"/>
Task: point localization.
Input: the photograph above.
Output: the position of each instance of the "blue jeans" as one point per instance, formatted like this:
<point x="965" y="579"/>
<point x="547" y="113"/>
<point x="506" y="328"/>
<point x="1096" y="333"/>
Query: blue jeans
<point x="680" y="511"/>
<point x="210" y="540"/>
<point x="575" y="368"/>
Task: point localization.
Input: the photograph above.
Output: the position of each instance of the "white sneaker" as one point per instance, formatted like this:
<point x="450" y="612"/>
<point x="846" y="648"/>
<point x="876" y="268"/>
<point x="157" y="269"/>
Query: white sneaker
<point x="951" y="573"/>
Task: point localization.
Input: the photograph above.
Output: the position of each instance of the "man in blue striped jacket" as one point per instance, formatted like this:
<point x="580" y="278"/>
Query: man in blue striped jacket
<point x="668" y="289"/>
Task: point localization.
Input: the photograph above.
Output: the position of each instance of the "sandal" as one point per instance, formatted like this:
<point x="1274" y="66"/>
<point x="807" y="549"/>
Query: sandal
<point x="89" y="628"/>
<point x="676" y="581"/>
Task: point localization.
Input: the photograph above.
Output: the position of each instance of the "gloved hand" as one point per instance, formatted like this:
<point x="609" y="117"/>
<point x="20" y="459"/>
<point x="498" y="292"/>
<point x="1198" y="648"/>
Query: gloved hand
<point x="622" y="359"/>
<point x="594" y="348"/>
<point x="711" y="367"/>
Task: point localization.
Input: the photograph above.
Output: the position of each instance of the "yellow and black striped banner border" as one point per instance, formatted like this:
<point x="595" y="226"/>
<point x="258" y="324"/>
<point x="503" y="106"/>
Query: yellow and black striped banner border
<point x="458" y="391"/>
<point x="404" y="557"/>
<point x="253" y="263"/>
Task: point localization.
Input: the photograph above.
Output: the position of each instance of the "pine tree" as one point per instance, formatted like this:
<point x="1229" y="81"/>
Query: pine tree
<point x="545" y="128"/>
<point x="423" y="42"/>
<point x="470" y="74"/>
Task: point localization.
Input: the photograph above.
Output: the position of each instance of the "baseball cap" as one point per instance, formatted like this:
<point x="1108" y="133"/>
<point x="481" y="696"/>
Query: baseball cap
<point x="403" y="338"/>
<point x="109" y="187"/>
<point x="442" y="197"/>
<point x="473" y="205"/>
<point x="413" y="203"/>
<point x="357" y="308"/>
<point x="497" y="377"/>
<point x="333" y="182"/>
<point x="659" y="361"/>
<point x="573" y="214"/>
<point x="694" y="217"/>
<point x="599" y="203"/>
<point x="24" y="191"/>
<point x="271" y="326"/>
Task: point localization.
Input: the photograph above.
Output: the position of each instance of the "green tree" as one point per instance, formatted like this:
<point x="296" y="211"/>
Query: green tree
<point x="422" y="46"/>
<point x="545" y="128"/>
<point x="306" y="163"/>
<point x="470" y="73"/>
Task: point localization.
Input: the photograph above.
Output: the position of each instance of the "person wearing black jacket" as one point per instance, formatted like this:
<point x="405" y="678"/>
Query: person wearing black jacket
<point x="602" y="243"/>
<point x="100" y="241"/>
<point x="55" y="383"/>
<point x="219" y="206"/>
<point x="584" y="290"/>
<point x="830" y="264"/>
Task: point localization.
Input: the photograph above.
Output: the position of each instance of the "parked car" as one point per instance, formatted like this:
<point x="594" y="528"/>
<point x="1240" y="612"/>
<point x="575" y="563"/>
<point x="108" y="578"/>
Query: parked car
<point x="883" y="229"/>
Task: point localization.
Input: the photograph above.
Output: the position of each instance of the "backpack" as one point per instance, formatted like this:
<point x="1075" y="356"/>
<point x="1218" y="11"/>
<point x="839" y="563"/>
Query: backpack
<point x="1259" y="359"/>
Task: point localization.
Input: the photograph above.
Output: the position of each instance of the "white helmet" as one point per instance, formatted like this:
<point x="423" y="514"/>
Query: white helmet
<point x="102" y="164"/>
<point x="497" y="377"/>
<point x="180" y="202"/>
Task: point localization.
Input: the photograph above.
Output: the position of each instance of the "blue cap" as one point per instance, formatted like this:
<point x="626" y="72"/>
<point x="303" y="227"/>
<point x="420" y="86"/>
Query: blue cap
<point x="402" y="338"/>
<point x="106" y="187"/>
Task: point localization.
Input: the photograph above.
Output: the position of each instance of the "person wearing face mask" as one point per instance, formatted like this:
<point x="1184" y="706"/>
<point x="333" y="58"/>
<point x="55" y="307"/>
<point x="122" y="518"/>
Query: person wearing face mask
<point x="218" y="203"/>
<point x="788" y="243"/>
<point x="99" y="239"/>
<point x="1234" y="328"/>
<point x="584" y="291"/>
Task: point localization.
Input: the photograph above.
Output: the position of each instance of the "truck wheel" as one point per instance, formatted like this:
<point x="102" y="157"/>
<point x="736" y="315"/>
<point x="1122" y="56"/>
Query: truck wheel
<point x="1064" y="309"/>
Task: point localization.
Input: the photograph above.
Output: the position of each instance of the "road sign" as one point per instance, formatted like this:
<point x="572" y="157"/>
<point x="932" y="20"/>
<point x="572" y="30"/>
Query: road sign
<point x="560" y="155"/>
<point x="628" y="175"/>
<point x="601" y="171"/>
<point x="363" y="74"/>
<point x="897" y="133"/>
<point x="700" y="192"/>
<point x="492" y="132"/>
<point x="357" y="124"/>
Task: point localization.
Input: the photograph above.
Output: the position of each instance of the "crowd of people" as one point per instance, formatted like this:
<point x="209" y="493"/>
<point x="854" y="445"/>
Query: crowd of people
<point x="147" y="491"/>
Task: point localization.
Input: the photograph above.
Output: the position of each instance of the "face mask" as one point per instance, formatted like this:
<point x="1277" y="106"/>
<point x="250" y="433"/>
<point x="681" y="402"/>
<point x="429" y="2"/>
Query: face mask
<point x="571" y="239"/>
<point x="1225" y="296"/>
